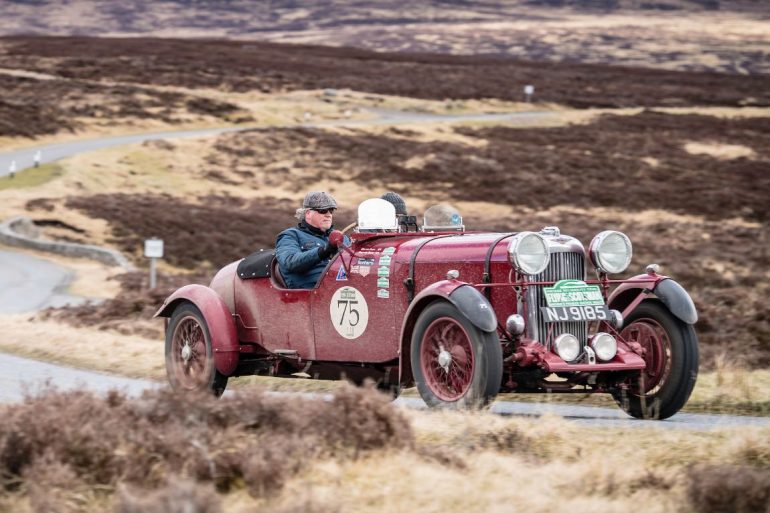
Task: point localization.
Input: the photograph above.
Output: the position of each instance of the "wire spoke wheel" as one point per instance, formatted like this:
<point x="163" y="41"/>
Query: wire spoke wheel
<point x="657" y="352"/>
<point x="447" y="359"/>
<point x="455" y="364"/>
<point x="671" y="357"/>
<point x="189" y="353"/>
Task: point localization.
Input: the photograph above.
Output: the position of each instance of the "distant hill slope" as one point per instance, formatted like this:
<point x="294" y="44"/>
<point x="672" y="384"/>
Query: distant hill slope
<point x="716" y="35"/>
<point x="103" y="78"/>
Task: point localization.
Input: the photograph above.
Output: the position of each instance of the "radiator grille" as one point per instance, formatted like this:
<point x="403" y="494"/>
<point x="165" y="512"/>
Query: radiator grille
<point x="563" y="266"/>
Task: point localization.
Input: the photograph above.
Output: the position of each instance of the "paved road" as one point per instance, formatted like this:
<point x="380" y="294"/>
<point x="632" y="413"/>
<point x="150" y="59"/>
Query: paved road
<point x="18" y="375"/>
<point x="610" y="417"/>
<point x="22" y="159"/>
<point x="28" y="283"/>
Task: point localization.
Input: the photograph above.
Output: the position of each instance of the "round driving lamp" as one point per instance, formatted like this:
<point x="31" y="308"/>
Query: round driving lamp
<point x="611" y="252"/>
<point x="604" y="345"/>
<point x="528" y="253"/>
<point x="567" y="347"/>
<point x="515" y="325"/>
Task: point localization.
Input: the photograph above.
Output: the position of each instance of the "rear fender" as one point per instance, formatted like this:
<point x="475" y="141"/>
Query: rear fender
<point x="224" y="339"/>
<point x="628" y="295"/>
<point x="471" y="303"/>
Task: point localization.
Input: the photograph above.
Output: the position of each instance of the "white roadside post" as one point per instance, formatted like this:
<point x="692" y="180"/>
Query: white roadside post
<point x="153" y="249"/>
<point x="529" y="90"/>
<point x="37" y="158"/>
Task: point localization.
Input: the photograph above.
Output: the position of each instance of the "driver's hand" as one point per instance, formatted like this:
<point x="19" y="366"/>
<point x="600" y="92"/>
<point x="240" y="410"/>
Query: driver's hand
<point x="328" y="251"/>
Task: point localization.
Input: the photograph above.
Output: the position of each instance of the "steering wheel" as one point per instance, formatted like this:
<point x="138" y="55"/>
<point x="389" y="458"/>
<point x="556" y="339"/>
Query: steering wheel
<point x="349" y="228"/>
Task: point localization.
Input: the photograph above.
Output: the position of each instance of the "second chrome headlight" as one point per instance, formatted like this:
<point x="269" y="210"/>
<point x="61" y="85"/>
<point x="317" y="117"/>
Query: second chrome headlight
<point x="604" y="345"/>
<point x="611" y="252"/>
<point x="528" y="253"/>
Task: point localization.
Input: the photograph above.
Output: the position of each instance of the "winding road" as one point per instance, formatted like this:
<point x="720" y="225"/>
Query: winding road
<point x="18" y="160"/>
<point x="29" y="283"/>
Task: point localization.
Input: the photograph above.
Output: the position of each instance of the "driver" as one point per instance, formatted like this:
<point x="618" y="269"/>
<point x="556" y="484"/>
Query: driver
<point x="304" y="251"/>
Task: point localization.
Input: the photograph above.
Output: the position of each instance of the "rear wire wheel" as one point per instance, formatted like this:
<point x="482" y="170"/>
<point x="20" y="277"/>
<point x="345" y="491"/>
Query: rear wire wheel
<point x="189" y="353"/>
<point x="455" y="364"/>
<point x="671" y="354"/>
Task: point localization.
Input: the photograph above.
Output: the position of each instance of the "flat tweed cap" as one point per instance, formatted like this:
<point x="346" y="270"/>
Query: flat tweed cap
<point x="318" y="199"/>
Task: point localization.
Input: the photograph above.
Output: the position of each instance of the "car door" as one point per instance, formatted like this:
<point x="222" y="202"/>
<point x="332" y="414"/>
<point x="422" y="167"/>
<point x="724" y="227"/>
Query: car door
<point x="274" y="317"/>
<point x="353" y="309"/>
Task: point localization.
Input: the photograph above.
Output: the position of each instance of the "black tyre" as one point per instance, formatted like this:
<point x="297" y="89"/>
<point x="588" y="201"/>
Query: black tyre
<point x="189" y="353"/>
<point x="455" y="364"/>
<point x="671" y="346"/>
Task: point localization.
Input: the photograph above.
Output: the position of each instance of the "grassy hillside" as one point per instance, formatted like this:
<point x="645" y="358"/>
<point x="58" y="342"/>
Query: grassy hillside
<point x="717" y="35"/>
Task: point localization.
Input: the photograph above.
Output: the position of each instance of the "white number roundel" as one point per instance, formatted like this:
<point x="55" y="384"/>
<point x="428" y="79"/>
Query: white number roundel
<point x="349" y="312"/>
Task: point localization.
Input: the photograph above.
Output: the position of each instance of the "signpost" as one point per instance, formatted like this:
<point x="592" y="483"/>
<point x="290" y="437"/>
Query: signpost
<point x="529" y="90"/>
<point x="153" y="249"/>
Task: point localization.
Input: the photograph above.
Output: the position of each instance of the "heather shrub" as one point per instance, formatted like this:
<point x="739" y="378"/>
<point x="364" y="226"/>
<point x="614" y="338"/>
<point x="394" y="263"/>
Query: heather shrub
<point x="53" y="486"/>
<point x="729" y="489"/>
<point x="56" y="442"/>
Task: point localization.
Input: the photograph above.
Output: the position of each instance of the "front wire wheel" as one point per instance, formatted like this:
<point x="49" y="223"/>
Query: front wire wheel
<point x="671" y="353"/>
<point x="455" y="364"/>
<point x="189" y="353"/>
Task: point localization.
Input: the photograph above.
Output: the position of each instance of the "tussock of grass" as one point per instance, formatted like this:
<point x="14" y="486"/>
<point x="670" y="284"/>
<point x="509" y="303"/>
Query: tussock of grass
<point x="729" y="488"/>
<point x="31" y="177"/>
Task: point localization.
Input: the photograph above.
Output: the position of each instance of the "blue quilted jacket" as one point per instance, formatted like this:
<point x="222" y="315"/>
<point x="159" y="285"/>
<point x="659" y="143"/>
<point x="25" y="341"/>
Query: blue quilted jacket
<point x="297" y="252"/>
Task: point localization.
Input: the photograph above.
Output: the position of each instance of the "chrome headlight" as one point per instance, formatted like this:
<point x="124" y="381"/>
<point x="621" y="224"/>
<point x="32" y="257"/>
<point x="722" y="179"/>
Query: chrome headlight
<point x="604" y="345"/>
<point x="567" y="347"/>
<point x="611" y="252"/>
<point x="528" y="253"/>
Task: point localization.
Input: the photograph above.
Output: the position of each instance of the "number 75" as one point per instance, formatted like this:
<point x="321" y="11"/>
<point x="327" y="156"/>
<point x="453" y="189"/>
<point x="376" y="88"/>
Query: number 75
<point x="348" y="304"/>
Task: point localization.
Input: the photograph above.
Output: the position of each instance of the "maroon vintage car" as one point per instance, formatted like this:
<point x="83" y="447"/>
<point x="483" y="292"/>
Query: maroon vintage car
<point x="462" y="315"/>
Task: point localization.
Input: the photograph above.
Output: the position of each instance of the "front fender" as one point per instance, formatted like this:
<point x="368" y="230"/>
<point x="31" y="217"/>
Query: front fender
<point x="224" y="338"/>
<point x="671" y="293"/>
<point x="471" y="303"/>
<point x="677" y="300"/>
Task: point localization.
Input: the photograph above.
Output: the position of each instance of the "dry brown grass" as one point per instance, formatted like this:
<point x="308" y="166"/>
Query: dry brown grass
<point x="107" y="351"/>
<point x="251" y="452"/>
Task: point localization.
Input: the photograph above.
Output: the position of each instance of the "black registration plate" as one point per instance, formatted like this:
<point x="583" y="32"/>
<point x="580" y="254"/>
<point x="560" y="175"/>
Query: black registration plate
<point x="575" y="313"/>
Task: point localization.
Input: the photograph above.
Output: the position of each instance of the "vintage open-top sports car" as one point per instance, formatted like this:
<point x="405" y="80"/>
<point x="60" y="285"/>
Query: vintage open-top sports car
<point x="462" y="315"/>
